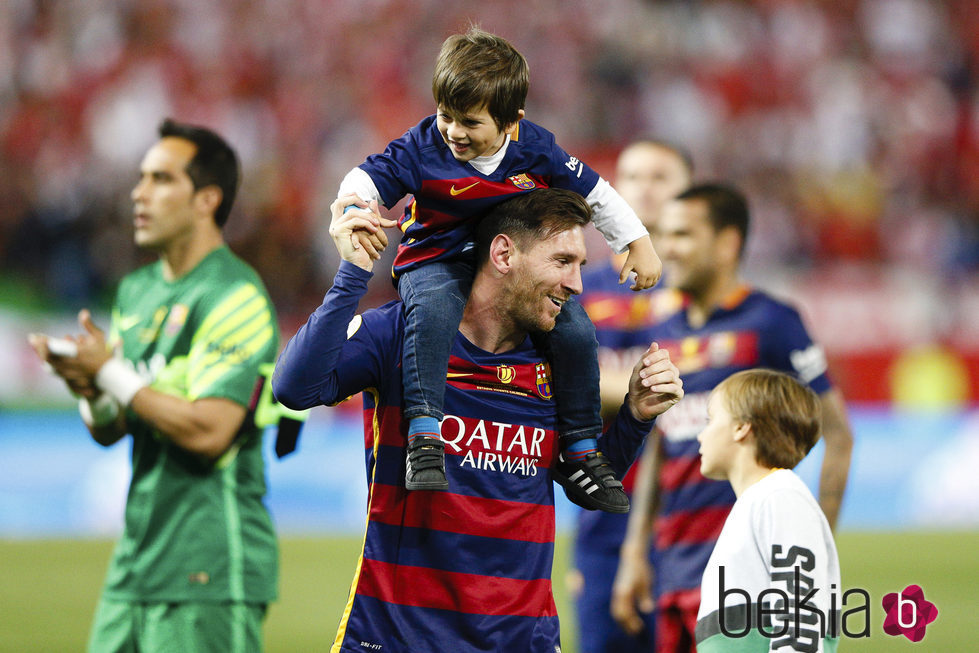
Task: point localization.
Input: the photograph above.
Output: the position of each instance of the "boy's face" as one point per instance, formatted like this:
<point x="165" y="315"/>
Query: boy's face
<point x="717" y="440"/>
<point x="472" y="134"/>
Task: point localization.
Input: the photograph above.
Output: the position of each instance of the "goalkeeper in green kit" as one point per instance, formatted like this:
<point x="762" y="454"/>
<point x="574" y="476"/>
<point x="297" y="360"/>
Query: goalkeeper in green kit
<point x="191" y="334"/>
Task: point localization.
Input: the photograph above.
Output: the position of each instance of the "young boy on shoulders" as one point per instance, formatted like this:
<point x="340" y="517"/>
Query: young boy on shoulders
<point x="770" y="583"/>
<point x="475" y="152"/>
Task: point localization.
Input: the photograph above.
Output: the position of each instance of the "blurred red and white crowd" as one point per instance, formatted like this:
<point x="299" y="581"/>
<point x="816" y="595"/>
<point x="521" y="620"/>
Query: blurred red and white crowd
<point x="853" y="125"/>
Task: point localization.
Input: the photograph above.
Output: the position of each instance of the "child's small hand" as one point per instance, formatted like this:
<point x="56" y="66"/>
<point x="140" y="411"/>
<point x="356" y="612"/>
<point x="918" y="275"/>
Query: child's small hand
<point x="642" y="260"/>
<point x="351" y="203"/>
<point x="357" y="231"/>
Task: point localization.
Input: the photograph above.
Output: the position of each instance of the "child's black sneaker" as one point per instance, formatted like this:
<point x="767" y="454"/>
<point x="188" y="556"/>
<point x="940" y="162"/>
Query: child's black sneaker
<point x="426" y="465"/>
<point x="591" y="483"/>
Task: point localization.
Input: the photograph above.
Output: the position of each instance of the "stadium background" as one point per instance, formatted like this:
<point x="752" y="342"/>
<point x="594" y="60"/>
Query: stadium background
<point x="853" y="125"/>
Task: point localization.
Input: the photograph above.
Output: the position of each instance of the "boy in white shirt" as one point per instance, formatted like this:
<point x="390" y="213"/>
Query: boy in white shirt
<point x="772" y="582"/>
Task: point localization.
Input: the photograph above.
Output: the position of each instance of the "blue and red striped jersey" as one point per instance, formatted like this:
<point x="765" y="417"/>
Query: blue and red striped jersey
<point x="449" y="196"/>
<point x="623" y="321"/>
<point x="749" y="330"/>
<point x="464" y="570"/>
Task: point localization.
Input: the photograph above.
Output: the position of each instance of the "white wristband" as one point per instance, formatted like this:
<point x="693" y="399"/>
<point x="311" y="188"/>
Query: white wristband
<point x="100" y="412"/>
<point x="121" y="381"/>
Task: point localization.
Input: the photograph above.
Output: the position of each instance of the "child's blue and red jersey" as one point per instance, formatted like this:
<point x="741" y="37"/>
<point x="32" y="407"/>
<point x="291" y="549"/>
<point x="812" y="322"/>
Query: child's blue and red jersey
<point x="449" y="196"/>
<point x="749" y="330"/>
<point x="465" y="570"/>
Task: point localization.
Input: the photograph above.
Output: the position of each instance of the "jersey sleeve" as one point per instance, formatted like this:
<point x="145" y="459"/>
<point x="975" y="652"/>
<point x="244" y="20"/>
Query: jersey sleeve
<point x="623" y="439"/>
<point x="358" y="182"/>
<point x="613" y="217"/>
<point x="789" y="347"/>
<point x="235" y="337"/>
<point x="395" y="171"/>
<point x="333" y="355"/>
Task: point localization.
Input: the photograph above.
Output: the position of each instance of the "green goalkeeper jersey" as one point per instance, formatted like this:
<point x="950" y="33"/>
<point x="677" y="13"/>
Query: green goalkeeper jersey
<point x="195" y="530"/>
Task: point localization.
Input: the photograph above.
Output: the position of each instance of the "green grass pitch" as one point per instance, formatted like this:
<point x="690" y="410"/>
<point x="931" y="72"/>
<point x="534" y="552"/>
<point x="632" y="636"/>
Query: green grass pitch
<point x="48" y="590"/>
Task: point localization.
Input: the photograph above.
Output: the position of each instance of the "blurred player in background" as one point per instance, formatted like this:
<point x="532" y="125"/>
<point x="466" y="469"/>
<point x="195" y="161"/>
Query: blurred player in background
<point x="648" y="174"/>
<point x="468" y="569"/>
<point x="776" y="542"/>
<point x="197" y="564"/>
<point x="724" y="326"/>
<point x="475" y="152"/>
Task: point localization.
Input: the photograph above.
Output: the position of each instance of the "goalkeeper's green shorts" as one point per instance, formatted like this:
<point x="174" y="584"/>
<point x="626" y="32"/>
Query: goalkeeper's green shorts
<point x="124" y="627"/>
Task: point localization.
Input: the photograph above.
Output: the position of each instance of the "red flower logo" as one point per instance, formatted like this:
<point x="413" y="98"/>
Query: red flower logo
<point x="908" y="613"/>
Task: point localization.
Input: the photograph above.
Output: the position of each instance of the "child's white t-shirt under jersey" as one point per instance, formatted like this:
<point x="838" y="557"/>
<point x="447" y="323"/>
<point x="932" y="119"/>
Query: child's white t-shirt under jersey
<point x="775" y="556"/>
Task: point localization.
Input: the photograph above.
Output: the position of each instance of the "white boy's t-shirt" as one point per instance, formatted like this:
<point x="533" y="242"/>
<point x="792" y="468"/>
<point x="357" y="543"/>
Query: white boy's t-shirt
<point x="776" y="556"/>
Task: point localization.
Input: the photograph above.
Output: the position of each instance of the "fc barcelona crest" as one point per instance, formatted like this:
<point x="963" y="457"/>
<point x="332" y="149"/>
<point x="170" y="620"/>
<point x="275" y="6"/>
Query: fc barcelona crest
<point x="543" y="381"/>
<point x="523" y="182"/>
<point x="505" y="373"/>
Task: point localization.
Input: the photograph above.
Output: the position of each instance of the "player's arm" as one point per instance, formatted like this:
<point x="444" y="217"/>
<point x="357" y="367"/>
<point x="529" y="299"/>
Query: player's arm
<point x="792" y="349"/>
<point x="838" y="439"/>
<point x="389" y="176"/>
<point x="205" y="410"/>
<point x="632" y="588"/>
<point x="205" y="427"/>
<point x="100" y="412"/>
<point x="655" y="386"/>
<point x="319" y="364"/>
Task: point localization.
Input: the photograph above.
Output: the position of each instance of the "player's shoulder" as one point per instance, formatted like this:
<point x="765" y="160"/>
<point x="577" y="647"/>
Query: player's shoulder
<point x="228" y="272"/>
<point x="772" y="307"/>
<point x="783" y="491"/>
<point x="424" y="134"/>
<point x="226" y="284"/>
<point x="530" y="133"/>
<point x="422" y="143"/>
<point x="142" y="274"/>
<point x="385" y="322"/>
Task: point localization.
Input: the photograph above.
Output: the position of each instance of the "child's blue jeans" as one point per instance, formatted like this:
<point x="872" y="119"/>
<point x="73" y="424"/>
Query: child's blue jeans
<point x="435" y="296"/>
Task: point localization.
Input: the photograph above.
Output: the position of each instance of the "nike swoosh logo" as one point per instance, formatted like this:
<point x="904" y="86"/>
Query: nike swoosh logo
<point x="128" y="322"/>
<point x="454" y="191"/>
<point x="456" y="375"/>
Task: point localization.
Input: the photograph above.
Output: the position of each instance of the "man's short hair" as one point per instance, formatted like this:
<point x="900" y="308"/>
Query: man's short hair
<point x="530" y="217"/>
<point x="784" y="414"/>
<point x="726" y="207"/>
<point x="214" y="164"/>
<point x="478" y="69"/>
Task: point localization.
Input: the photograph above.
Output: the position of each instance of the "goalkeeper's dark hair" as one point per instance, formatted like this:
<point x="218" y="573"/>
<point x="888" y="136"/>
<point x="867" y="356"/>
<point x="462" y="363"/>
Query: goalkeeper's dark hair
<point x="214" y="163"/>
<point x="530" y="217"/>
